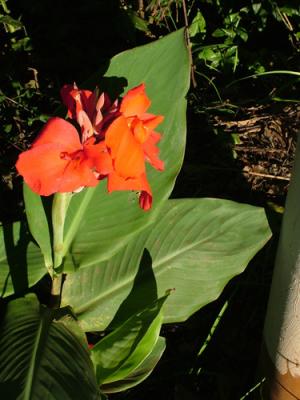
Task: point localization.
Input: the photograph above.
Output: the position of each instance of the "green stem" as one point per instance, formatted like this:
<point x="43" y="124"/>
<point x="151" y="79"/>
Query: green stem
<point x="56" y="285"/>
<point x="56" y="290"/>
<point x="60" y="205"/>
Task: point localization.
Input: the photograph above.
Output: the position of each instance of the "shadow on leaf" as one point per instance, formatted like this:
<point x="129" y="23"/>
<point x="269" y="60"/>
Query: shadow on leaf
<point x="143" y="292"/>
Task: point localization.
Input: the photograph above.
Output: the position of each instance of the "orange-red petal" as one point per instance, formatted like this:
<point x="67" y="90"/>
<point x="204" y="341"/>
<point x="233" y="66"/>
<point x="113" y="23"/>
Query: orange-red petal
<point x="99" y="157"/>
<point x="151" y="121"/>
<point x="56" y="162"/>
<point x="46" y="171"/>
<point x="42" y="168"/>
<point x="76" y="174"/>
<point x="151" y="151"/>
<point x="141" y="133"/>
<point x="116" y="182"/>
<point x="126" y="152"/>
<point x="59" y="132"/>
<point x="135" y="102"/>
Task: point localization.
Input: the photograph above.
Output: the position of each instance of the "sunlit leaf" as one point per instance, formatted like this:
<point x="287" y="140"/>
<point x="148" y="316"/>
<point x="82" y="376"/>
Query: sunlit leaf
<point x="196" y="245"/>
<point x="140" y="373"/>
<point x="118" y="354"/>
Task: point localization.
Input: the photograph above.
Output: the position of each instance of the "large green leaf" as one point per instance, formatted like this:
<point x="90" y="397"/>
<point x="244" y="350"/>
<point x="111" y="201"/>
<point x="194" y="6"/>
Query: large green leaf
<point x="123" y="350"/>
<point x="99" y="224"/>
<point x="141" y="372"/>
<point x="196" y="245"/>
<point x="40" y="358"/>
<point x="21" y="261"/>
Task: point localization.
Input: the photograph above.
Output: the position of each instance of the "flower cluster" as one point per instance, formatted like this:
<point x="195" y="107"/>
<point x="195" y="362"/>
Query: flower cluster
<point x="102" y="140"/>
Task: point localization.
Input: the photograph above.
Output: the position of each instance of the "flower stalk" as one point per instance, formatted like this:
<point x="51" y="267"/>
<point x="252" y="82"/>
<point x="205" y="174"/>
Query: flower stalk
<point x="60" y="206"/>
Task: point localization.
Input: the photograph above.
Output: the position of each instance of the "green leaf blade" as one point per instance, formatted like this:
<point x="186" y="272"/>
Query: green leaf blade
<point x="139" y="374"/>
<point x="123" y="350"/>
<point x="21" y="261"/>
<point x="196" y="245"/>
<point x="38" y="223"/>
<point x="40" y="358"/>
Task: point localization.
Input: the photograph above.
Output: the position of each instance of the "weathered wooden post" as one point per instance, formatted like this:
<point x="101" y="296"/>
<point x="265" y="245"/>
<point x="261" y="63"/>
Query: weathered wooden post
<point x="281" y="353"/>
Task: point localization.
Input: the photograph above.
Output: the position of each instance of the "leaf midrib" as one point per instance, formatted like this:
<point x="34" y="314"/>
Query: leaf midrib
<point x="156" y="264"/>
<point x="40" y="338"/>
<point x="125" y="282"/>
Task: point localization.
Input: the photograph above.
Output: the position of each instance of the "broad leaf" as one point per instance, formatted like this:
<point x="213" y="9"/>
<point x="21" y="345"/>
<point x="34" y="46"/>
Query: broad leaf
<point x="40" y="358"/>
<point x="21" y="260"/>
<point x="141" y="372"/>
<point x="99" y="224"/>
<point x="123" y="350"/>
<point x="38" y="223"/>
<point x="196" y="245"/>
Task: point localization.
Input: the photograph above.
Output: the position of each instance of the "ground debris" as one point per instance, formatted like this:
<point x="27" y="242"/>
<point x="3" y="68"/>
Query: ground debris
<point x="265" y="144"/>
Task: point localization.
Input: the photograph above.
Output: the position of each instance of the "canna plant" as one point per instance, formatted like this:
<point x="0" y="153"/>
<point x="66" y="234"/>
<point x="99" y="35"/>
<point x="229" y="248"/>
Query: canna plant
<point x="114" y="266"/>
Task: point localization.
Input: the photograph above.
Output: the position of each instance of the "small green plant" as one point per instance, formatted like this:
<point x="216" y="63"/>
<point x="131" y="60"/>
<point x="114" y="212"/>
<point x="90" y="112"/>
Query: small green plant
<point x="223" y="54"/>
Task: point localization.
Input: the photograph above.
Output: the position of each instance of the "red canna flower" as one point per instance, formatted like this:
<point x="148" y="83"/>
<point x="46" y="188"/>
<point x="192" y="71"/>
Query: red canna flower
<point x="131" y="140"/>
<point x="115" y="143"/>
<point x="59" y="162"/>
